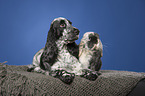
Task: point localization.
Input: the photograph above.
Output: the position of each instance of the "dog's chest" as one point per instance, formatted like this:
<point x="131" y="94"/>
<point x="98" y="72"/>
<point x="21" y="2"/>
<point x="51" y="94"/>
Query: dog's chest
<point x="65" y="56"/>
<point x="85" y="58"/>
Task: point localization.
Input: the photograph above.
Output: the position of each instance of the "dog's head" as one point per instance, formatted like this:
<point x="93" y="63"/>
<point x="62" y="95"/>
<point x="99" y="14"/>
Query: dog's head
<point x="91" y="41"/>
<point x="62" y="29"/>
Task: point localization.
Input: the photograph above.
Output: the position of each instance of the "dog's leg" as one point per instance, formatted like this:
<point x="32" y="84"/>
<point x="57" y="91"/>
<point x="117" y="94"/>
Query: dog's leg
<point x="63" y="75"/>
<point x="89" y="74"/>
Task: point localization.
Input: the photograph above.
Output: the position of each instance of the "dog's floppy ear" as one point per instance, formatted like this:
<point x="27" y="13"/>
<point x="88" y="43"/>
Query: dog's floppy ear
<point x="54" y="31"/>
<point x="48" y="58"/>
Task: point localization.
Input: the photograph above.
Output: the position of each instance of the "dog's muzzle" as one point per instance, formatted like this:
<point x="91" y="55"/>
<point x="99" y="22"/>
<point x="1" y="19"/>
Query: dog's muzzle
<point x="74" y="35"/>
<point x="76" y="31"/>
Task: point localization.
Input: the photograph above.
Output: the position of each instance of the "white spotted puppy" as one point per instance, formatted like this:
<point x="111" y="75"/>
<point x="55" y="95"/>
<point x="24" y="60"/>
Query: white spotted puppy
<point x="90" y="52"/>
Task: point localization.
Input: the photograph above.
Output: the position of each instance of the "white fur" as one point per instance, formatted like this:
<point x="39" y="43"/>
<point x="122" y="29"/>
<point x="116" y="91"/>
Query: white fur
<point x="36" y="63"/>
<point x="85" y="53"/>
<point x="36" y="58"/>
<point x="85" y="58"/>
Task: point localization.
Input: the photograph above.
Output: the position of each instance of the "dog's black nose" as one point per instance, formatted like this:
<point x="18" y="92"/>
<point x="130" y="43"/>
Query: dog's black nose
<point x="76" y="31"/>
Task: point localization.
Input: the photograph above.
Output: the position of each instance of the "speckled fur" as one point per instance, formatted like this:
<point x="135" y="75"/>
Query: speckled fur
<point x="59" y="53"/>
<point x="90" y="57"/>
<point x="60" y="56"/>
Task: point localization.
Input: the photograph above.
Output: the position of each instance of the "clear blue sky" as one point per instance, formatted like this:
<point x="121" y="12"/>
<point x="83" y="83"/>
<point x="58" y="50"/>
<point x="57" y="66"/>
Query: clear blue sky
<point x="120" y="23"/>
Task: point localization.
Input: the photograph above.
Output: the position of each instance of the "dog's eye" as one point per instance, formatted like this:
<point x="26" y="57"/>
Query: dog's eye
<point x="62" y="25"/>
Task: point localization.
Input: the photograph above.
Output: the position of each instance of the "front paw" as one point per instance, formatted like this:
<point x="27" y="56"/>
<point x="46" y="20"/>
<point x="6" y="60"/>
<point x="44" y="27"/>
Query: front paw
<point x="64" y="76"/>
<point x="90" y="75"/>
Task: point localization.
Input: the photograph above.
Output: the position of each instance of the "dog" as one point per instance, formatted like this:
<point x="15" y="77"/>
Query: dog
<point x="91" y="51"/>
<point x="60" y="56"/>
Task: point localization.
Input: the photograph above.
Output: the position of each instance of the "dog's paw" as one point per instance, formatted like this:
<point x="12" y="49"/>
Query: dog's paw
<point x="90" y="75"/>
<point x="64" y="76"/>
